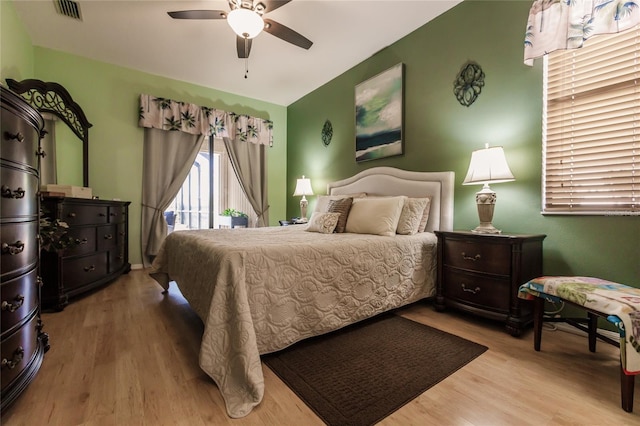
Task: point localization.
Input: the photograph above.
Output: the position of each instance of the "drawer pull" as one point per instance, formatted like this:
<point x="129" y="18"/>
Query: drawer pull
<point x="18" y="354"/>
<point x="469" y="290"/>
<point x="473" y="258"/>
<point x="41" y="153"/>
<point x="72" y="214"/>
<point x="108" y="237"/>
<point x="81" y="241"/>
<point x="90" y="268"/>
<point x="101" y="214"/>
<point x="113" y="214"/>
<point x="8" y="193"/>
<point x="13" y="249"/>
<point x="12" y="307"/>
<point x="15" y="136"/>
<point x="39" y="281"/>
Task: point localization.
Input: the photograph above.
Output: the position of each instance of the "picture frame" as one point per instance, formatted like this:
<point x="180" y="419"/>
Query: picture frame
<point x="379" y="110"/>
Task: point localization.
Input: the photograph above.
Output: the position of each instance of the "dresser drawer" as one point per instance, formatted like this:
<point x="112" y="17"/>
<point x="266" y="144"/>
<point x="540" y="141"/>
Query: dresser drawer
<point x="471" y="289"/>
<point x="489" y="258"/>
<point x="19" y="247"/>
<point x="117" y="214"/>
<point x="80" y="271"/>
<point x="19" y="298"/>
<point x="19" y="140"/>
<point x="18" y="349"/>
<point x="108" y="237"/>
<point x="74" y="214"/>
<point x="116" y="259"/>
<point x="18" y="193"/>
<point x="85" y="241"/>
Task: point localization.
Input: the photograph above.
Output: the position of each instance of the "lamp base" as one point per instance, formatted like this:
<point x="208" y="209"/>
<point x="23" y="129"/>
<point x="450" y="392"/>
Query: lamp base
<point x="486" y="228"/>
<point x="486" y="201"/>
<point x="303" y="210"/>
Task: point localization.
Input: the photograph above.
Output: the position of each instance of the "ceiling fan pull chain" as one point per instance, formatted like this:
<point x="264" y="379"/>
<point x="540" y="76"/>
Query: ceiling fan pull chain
<point x="246" y="57"/>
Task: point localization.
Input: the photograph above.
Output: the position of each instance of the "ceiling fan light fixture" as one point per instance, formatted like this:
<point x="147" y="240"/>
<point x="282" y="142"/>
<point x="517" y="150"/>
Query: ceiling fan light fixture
<point x="245" y="23"/>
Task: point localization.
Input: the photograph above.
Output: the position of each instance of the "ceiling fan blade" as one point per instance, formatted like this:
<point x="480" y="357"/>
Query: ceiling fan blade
<point x="240" y="46"/>
<point x="198" y="14"/>
<point x="271" y="5"/>
<point x="287" y="34"/>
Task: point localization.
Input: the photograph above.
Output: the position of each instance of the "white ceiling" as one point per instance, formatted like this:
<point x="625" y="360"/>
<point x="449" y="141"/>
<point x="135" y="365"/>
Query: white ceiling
<point x="139" y="34"/>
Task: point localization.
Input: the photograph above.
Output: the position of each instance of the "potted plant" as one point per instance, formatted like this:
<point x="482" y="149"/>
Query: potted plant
<point x="53" y="234"/>
<point x="232" y="218"/>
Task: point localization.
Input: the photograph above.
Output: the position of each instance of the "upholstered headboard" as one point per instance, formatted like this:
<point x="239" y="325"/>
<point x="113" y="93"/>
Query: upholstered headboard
<point x="391" y="181"/>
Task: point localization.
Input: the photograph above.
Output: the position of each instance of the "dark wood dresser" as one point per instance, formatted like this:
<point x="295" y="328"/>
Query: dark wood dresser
<point x="481" y="274"/>
<point x="100" y="254"/>
<point x="23" y="341"/>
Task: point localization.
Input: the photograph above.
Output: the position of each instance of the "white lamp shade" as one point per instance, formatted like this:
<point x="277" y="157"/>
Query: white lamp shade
<point x="245" y="22"/>
<point x="303" y="187"/>
<point x="488" y="165"/>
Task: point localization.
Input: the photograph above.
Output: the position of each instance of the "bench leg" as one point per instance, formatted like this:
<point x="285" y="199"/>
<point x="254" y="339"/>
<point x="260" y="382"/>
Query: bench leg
<point x="538" y="312"/>
<point x="626" y="390"/>
<point x="593" y="330"/>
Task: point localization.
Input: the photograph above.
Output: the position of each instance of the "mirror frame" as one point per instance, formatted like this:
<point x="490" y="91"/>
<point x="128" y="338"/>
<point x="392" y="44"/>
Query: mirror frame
<point x="53" y="98"/>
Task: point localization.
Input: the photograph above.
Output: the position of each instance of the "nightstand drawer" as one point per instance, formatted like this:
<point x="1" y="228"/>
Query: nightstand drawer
<point x="470" y="255"/>
<point x="477" y="290"/>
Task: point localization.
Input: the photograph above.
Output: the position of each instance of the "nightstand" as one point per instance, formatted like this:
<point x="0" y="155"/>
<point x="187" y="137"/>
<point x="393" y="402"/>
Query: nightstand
<point x="481" y="274"/>
<point x="290" y="222"/>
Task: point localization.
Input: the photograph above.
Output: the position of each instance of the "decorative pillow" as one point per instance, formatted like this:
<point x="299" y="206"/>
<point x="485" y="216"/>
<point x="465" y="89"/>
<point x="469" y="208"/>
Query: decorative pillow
<point x="341" y="206"/>
<point x="425" y="216"/>
<point x="378" y="216"/>
<point x="323" y="200"/>
<point x="411" y="216"/>
<point x="324" y="223"/>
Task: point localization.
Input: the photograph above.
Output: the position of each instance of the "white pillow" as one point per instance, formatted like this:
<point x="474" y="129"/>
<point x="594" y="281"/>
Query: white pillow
<point x="323" y="200"/>
<point x="411" y="216"/>
<point x="378" y="216"/>
<point x="324" y="223"/>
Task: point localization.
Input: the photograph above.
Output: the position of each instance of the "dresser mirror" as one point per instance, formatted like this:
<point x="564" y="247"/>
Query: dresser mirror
<point x="63" y="159"/>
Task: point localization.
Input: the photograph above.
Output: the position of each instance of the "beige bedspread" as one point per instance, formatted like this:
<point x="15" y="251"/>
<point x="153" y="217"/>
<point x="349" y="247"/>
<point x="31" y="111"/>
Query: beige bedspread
<point x="260" y="290"/>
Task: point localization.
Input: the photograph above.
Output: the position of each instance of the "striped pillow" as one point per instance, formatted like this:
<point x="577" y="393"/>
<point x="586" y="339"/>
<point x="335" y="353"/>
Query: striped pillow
<point x="341" y="206"/>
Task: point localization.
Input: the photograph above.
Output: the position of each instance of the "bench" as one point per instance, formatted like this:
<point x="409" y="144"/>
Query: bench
<point x="617" y="303"/>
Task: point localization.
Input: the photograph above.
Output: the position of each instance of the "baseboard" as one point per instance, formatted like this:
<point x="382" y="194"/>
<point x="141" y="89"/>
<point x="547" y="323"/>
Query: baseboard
<point x="137" y="266"/>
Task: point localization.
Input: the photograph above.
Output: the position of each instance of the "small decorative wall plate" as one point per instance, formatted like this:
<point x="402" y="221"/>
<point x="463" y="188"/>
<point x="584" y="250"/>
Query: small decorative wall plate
<point x="468" y="83"/>
<point x="327" y="133"/>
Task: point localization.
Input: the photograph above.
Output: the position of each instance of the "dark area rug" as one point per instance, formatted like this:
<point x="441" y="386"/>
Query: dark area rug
<point x="358" y="375"/>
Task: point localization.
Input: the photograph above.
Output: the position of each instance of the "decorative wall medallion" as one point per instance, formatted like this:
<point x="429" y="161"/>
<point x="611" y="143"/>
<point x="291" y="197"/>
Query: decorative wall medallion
<point x="327" y="133"/>
<point x="468" y="83"/>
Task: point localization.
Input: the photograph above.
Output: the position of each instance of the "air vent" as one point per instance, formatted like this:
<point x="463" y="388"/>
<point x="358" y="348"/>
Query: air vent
<point x="68" y="8"/>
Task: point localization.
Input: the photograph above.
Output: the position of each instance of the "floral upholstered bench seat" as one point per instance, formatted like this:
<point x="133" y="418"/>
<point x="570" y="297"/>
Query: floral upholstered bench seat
<point x="617" y="303"/>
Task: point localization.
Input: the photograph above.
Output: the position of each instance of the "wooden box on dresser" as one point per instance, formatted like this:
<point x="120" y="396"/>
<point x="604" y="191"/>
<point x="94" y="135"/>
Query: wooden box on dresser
<point x="100" y="254"/>
<point x="481" y="274"/>
<point x="23" y="342"/>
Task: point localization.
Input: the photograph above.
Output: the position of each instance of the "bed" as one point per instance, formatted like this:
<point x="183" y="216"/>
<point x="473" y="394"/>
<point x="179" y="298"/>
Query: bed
<point x="260" y="290"/>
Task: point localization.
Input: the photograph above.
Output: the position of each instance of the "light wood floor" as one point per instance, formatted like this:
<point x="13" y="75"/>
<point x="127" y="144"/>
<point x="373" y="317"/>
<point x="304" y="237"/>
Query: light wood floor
<point x="128" y="355"/>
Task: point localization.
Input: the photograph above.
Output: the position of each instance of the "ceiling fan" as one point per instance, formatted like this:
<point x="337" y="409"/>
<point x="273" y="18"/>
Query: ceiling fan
<point x="247" y="21"/>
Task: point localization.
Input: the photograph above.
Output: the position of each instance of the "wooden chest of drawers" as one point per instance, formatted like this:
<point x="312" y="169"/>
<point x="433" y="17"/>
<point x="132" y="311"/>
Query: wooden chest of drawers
<point x="481" y="274"/>
<point x="23" y="343"/>
<point x="100" y="255"/>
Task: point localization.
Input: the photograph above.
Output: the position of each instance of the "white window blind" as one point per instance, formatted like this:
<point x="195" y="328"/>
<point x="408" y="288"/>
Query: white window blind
<point x="591" y="127"/>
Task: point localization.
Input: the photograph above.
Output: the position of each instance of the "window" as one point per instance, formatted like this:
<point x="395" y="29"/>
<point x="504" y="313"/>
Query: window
<point x="591" y="127"/>
<point x="209" y="189"/>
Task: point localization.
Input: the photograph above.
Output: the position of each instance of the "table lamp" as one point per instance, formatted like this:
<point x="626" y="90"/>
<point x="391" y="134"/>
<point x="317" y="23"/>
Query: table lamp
<point x="303" y="187"/>
<point x="488" y="165"/>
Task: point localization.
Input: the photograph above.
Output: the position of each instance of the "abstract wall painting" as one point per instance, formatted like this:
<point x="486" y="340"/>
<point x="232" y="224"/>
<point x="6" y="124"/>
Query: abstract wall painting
<point x="379" y="115"/>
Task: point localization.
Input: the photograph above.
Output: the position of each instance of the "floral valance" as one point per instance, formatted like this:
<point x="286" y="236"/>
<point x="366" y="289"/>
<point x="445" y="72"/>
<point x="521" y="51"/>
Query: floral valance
<point x="167" y="114"/>
<point x="566" y="24"/>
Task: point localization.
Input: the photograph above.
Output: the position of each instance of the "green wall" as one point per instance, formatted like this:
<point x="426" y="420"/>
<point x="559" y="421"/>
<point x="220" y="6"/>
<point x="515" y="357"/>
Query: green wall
<point x="440" y="134"/>
<point x="16" y="52"/>
<point x="109" y="95"/>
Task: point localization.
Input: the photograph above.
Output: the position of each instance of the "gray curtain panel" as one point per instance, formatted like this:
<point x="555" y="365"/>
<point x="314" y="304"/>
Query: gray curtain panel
<point x="167" y="160"/>
<point x="249" y="161"/>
